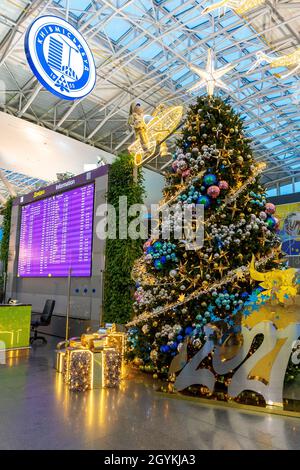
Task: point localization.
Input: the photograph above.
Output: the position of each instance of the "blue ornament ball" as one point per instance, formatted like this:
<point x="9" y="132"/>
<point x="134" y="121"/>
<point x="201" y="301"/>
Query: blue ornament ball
<point x="157" y="264"/>
<point x="188" y="330"/>
<point x="209" y="179"/>
<point x="271" y="222"/>
<point x="204" y="200"/>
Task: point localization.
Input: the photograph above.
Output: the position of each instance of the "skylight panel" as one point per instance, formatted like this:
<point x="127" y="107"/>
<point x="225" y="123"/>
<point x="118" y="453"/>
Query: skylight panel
<point x="77" y="7"/>
<point x="271" y="192"/>
<point x="149" y="52"/>
<point x="116" y="28"/>
<point x="181" y="73"/>
<point x="273" y="143"/>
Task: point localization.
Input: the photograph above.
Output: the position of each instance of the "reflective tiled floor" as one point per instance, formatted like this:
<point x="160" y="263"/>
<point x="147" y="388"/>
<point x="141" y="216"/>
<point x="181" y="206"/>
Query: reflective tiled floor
<point x="37" y="412"/>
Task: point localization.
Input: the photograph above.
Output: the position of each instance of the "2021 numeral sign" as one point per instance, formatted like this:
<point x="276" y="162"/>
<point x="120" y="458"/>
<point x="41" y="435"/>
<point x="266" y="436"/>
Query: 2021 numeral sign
<point x="262" y="372"/>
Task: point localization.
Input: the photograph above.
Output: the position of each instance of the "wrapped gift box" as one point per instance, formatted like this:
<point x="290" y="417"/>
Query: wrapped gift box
<point x="112" y="368"/>
<point x="116" y="338"/>
<point x="78" y="369"/>
<point x="60" y="353"/>
<point x="92" y="361"/>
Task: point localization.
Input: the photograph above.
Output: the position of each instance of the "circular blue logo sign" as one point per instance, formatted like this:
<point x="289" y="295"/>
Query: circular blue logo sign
<point x="60" y="58"/>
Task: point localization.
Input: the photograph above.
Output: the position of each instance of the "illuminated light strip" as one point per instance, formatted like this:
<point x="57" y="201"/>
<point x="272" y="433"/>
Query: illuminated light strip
<point x="231" y="276"/>
<point x="175" y="196"/>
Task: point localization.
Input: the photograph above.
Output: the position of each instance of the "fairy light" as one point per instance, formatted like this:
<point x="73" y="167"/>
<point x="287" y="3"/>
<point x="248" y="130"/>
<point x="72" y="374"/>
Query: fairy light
<point x="231" y="276"/>
<point x="163" y="124"/>
<point x="78" y="373"/>
<point x="112" y="365"/>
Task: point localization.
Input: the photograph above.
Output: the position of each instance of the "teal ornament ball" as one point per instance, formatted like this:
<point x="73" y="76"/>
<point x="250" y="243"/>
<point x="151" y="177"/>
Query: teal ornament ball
<point x="157" y="246"/>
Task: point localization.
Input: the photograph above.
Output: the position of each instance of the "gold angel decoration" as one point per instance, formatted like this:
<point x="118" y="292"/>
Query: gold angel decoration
<point x="289" y="60"/>
<point x="152" y="131"/>
<point x="279" y="283"/>
<point x="238" y="6"/>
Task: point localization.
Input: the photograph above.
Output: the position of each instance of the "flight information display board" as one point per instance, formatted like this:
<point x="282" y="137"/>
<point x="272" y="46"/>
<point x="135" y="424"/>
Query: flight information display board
<point x="56" y="235"/>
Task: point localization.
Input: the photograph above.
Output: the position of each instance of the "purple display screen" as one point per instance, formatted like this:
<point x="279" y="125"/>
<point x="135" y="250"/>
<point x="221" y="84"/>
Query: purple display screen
<point x="57" y="234"/>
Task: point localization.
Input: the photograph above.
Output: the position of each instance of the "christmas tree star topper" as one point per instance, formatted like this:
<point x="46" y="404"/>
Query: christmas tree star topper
<point x="210" y="76"/>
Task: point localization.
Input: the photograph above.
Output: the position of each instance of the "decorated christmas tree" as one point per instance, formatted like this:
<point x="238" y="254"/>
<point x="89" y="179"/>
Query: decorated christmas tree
<point x="179" y="290"/>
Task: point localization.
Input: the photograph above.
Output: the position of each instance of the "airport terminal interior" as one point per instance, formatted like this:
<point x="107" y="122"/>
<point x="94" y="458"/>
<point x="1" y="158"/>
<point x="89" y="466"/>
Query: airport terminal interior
<point x="150" y="225"/>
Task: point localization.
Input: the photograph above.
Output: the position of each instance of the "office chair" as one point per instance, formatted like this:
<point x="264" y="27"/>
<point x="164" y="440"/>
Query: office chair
<point x="45" y="320"/>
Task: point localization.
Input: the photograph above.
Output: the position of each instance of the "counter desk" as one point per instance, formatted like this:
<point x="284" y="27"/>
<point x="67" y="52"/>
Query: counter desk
<point x="15" y="327"/>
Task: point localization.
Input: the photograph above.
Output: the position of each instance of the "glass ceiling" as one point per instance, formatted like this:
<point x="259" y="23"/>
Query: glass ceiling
<point x="12" y="183"/>
<point x="229" y="39"/>
<point x="162" y="38"/>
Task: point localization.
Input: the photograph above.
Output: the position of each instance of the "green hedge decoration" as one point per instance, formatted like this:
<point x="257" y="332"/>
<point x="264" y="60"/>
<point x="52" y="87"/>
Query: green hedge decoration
<point x="4" y="246"/>
<point x="121" y="254"/>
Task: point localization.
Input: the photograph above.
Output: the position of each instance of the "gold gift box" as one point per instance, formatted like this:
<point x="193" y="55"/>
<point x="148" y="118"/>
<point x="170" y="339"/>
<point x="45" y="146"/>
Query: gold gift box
<point x="87" y="339"/>
<point x="98" y="344"/>
<point x="75" y="343"/>
<point x="92" y="361"/>
<point x="117" y="341"/>
<point x="60" y="353"/>
<point x="78" y="369"/>
<point x="60" y="359"/>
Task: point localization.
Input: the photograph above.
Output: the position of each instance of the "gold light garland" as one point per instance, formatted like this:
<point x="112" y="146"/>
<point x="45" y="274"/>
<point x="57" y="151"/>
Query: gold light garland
<point x="235" y="274"/>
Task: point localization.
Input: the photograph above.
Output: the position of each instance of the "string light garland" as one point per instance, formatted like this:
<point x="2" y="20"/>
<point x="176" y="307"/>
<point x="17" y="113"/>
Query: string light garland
<point x="182" y="286"/>
<point x="260" y="167"/>
<point x="231" y="276"/>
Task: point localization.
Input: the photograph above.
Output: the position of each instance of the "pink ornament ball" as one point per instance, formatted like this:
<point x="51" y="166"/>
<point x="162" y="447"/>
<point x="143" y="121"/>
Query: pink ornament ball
<point x="213" y="191"/>
<point x="186" y="173"/>
<point x="147" y="244"/>
<point x="270" y="208"/>
<point x="223" y="185"/>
